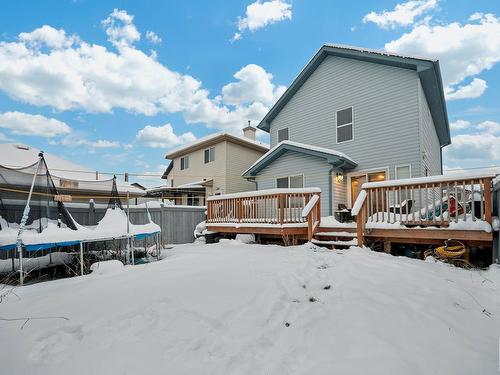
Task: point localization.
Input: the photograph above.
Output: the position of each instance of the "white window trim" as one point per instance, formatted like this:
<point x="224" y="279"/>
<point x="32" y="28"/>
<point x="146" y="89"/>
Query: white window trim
<point x="209" y="161"/>
<point x="336" y="127"/>
<point x="277" y="134"/>
<point x="292" y="175"/>
<point x="399" y="166"/>
<point x="180" y="163"/>
<point x="361" y="173"/>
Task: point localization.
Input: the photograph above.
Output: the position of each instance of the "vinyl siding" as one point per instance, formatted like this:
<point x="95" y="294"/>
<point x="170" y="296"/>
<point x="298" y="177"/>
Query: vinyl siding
<point x="198" y="170"/>
<point x="315" y="172"/>
<point x="429" y="141"/>
<point x="385" y="105"/>
<point x="238" y="160"/>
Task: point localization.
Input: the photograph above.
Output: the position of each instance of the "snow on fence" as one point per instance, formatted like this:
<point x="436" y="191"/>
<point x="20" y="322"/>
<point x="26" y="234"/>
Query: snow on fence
<point x="177" y="222"/>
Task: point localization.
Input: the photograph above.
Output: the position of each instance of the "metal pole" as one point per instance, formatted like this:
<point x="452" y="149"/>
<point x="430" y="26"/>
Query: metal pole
<point x="128" y="231"/>
<point x="24" y="219"/>
<point x="81" y="258"/>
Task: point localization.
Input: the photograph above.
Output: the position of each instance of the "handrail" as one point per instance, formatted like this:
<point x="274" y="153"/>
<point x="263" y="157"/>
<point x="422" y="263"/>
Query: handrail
<point x="310" y="205"/>
<point x="277" y="206"/>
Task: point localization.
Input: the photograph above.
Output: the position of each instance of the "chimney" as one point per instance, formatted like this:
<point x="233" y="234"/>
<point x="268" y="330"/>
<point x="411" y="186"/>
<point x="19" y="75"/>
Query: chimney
<point x="249" y="131"/>
<point x="126" y="177"/>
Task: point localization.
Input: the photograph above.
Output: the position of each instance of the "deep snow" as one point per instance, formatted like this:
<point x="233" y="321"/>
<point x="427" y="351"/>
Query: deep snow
<point x="224" y="309"/>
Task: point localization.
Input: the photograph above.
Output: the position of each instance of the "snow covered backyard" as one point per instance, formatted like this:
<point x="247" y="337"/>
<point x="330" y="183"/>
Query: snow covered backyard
<point x="232" y="308"/>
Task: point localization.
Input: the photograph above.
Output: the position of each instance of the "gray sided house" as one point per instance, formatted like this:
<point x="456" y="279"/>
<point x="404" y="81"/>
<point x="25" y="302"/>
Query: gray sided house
<point x="351" y="116"/>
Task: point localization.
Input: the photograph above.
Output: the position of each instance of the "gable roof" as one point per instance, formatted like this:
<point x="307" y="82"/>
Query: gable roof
<point x="427" y="70"/>
<point x="333" y="157"/>
<point x="214" y="138"/>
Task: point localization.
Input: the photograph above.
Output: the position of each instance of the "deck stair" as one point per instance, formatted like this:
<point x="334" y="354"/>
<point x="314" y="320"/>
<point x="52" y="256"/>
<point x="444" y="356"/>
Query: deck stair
<point x="335" y="238"/>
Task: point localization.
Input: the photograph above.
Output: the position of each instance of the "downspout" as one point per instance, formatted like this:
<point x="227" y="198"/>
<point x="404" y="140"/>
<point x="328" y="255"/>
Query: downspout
<point x="252" y="179"/>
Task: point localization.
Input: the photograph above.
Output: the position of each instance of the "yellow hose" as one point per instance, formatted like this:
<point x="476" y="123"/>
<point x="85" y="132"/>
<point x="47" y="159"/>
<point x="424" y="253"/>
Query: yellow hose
<point x="449" y="252"/>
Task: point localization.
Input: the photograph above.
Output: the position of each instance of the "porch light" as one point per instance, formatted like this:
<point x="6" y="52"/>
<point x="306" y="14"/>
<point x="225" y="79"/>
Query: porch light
<point x="339" y="177"/>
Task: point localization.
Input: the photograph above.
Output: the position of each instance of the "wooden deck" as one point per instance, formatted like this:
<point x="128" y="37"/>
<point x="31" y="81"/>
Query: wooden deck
<point x="422" y="211"/>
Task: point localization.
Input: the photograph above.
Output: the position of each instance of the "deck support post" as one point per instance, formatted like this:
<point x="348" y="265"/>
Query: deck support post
<point x="388" y="247"/>
<point x="487" y="200"/>
<point x="282" y="208"/>
<point x="360" y="225"/>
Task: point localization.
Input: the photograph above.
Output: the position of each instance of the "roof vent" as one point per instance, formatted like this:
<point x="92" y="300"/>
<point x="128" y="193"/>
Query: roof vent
<point x="22" y="147"/>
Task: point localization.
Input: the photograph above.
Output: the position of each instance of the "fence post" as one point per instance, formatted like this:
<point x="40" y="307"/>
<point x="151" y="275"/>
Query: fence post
<point x="310" y="226"/>
<point x="487" y="200"/>
<point x="282" y="208"/>
<point x="360" y="224"/>
<point x="92" y="212"/>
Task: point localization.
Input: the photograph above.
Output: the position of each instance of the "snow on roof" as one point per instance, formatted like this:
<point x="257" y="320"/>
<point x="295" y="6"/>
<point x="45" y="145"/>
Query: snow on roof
<point x="304" y="146"/>
<point x="14" y="155"/>
<point x="376" y="51"/>
<point x="212" y="136"/>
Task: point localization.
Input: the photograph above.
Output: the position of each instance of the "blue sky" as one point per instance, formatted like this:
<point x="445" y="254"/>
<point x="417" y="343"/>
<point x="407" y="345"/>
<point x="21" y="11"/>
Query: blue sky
<point x="112" y="85"/>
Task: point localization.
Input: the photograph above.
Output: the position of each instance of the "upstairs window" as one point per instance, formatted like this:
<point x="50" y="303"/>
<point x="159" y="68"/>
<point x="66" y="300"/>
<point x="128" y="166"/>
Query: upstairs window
<point x="282" y="135"/>
<point x="184" y="162"/>
<point x="209" y="155"/>
<point x="344" y="125"/>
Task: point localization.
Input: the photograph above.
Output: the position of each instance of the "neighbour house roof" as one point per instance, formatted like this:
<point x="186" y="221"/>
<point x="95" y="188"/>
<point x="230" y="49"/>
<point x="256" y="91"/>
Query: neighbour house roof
<point x="427" y="70"/>
<point x="213" y="139"/>
<point x="336" y="158"/>
<point x="18" y="155"/>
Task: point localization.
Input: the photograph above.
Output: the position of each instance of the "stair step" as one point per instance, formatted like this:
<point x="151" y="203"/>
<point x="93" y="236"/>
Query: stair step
<point x="334" y="243"/>
<point x="335" y="234"/>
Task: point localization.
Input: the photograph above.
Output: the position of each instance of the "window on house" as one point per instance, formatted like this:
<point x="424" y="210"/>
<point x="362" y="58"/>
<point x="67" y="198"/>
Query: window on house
<point x="344" y="125"/>
<point x="293" y="182"/>
<point x="184" y="162"/>
<point x="403" y="171"/>
<point x="209" y="155"/>
<point x="297" y="181"/>
<point x="282" y="183"/>
<point x="282" y="135"/>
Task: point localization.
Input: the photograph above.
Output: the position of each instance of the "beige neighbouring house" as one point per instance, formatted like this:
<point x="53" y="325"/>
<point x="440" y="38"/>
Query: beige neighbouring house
<point x="211" y="165"/>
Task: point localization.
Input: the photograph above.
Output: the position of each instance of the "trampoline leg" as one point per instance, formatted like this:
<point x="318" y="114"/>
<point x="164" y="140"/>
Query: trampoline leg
<point x="132" y="252"/>
<point x="21" y="268"/>
<point x="81" y="258"/>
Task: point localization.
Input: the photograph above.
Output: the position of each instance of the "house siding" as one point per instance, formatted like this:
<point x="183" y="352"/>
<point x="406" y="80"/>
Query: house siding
<point x="429" y="141"/>
<point x="314" y="169"/>
<point x="198" y="170"/>
<point x="385" y="109"/>
<point x="238" y="159"/>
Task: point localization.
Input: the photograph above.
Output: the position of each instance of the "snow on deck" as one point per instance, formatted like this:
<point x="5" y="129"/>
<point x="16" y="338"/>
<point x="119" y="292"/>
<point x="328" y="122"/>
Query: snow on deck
<point x="224" y="309"/>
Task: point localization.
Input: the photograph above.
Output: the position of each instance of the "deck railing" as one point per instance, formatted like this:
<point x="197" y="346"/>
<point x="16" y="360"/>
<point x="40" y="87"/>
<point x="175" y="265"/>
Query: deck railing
<point x="427" y="201"/>
<point x="278" y="207"/>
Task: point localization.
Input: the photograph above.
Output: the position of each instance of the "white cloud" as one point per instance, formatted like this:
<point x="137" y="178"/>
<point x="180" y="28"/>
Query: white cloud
<point x="153" y="37"/>
<point x="459" y="125"/>
<point x="482" y="145"/>
<point x="75" y="140"/>
<point x="463" y="50"/>
<point x="120" y="28"/>
<point x="473" y="90"/>
<point x="81" y="76"/>
<point x="260" y="14"/>
<point x="162" y="136"/>
<point x="35" y="125"/>
<point x="48" y="36"/>
<point x="403" y="14"/>
<point x="254" y="85"/>
<point x="490" y="127"/>
<point x="467" y="147"/>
